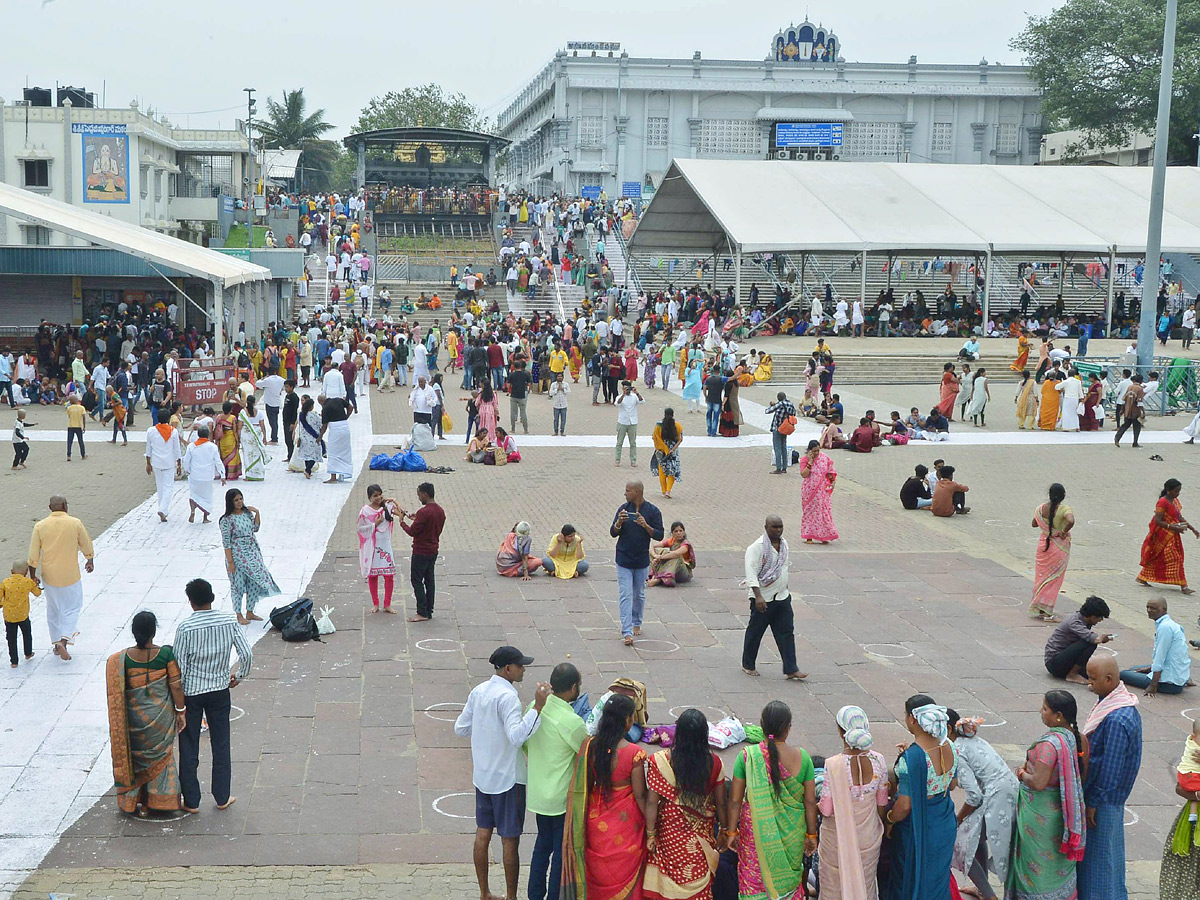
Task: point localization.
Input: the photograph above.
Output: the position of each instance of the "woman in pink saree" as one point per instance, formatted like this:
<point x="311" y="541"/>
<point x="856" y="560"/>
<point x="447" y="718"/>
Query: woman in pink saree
<point x="631" y="363"/>
<point x="816" y="489"/>
<point x="700" y="329"/>
<point x="951" y="384"/>
<point x="1055" y="520"/>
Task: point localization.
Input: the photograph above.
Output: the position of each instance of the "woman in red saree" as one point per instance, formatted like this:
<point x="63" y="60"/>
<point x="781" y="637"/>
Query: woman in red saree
<point x="950" y="387"/>
<point x="1162" y="550"/>
<point x="1092" y="401"/>
<point x="1055" y="521"/>
<point x="576" y="358"/>
<point x="604" y="837"/>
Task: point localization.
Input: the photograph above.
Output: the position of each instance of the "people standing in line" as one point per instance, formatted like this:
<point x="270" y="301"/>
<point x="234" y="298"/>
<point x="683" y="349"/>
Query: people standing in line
<point x="559" y="391"/>
<point x="164" y="460"/>
<point x="783" y="425"/>
<point x="203" y="644"/>
<point x="1162" y="549"/>
<point x="766" y="566"/>
<point x="76" y="425"/>
<point x="1073" y="641"/>
<point x="21" y="440"/>
<point x="55" y="545"/>
<point x="1055" y="521"/>
<point x="636" y="523"/>
<point x="493" y="720"/>
<point x="14" y="598"/>
<point x="1133" y="411"/>
<point x="203" y="466"/>
<point x="426" y="532"/>
<point x="376" y="520"/>
<point x="248" y="575"/>
<point x="1170" y="670"/>
<point x="665" y="462"/>
<point x="627" y="421"/>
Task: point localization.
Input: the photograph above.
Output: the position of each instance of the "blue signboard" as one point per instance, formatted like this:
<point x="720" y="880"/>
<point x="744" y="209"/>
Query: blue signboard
<point x="590" y="192"/>
<point x="631" y="189"/>
<point x="808" y="134"/>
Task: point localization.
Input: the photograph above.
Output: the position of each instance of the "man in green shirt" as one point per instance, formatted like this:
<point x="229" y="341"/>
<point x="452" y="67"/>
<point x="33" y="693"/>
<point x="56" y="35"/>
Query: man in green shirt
<point x="551" y="752"/>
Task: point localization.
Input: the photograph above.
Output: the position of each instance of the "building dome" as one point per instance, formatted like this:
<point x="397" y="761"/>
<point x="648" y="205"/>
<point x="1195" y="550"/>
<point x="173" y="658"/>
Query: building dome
<point x="805" y="42"/>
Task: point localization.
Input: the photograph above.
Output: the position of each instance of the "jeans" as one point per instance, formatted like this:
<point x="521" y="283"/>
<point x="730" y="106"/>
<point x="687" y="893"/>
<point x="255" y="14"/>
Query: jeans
<point x="1140" y="680"/>
<point x="560" y="420"/>
<point x="631" y="591"/>
<point x="273" y="420"/>
<point x="141" y="391"/>
<point x="547" y="854"/>
<point x="73" y="434"/>
<point x="497" y="378"/>
<point x="778" y="618"/>
<point x="882" y="329"/>
<point x="1076" y="654"/>
<point x="10" y="632"/>
<point x="154" y="414"/>
<point x="665" y="371"/>
<point x="420" y="574"/>
<point x="713" y="418"/>
<point x="435" y="424"/>
<point x="517" y="405"/>
<point x="779" y="445"/>
<point x="1137" y="430"/>
<point x="7" y="387"/>
<point x="631" y="431"/>
<point x="213" y="706"/>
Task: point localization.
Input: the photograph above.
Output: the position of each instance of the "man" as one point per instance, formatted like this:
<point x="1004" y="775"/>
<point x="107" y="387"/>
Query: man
<point x="203" y="466"/>
<point x="1123" y="387"/>
<point x="551" y="751"/>
<point x="627" y="421"/>
<point x="291" y="415"/>
<point x="780" y="411"/>
<point x="937" y="426"/>
<point x="1073" y="642"/>
<point x="338" y="447"/>
<point x="272" y="388"/>
<point x="79" y="370"/>
<point x="425" y="531"/>
<point x="883" y="314"/>
<point x="634" y="526"/>
<point x="349" y="372"/>
<point x="421" y="401"/>
<point x="915" y="492"/>
<point x="1114" y="734"/>
<point x="203" y="642"/>
<point x="714" y="395"/>
<point x="1170" y="671"/>
<point x="558" y="359"/>
<point x="495" y="362"/>
<point x="55" y="545"/>
<point x="76" y="425"/>
<point x="163" y="456"/>
<point x="143" y="375"/>
<point x="493" y="721"/>
<point x="559" y="389"/>
<point x="970" y="350"/>
<point x="518" y="397"/>
<point x="333" y="385"/>
<point x="387" y="369"/>
<point x="770" y="600"/>
<point x="1189" y="326"/>
<point x="949" y="497"/>
<point x="862" y="438"/>
<point x="1134" y="412"/>
<point x="158" y="397"/>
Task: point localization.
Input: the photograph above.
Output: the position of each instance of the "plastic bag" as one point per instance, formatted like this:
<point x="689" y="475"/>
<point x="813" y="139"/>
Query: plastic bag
<point x="422" y="438"/>
<point x="380" y="461"/>
<point x="447" y="422"/>
<point x="726" y="733"/>
<point x="325" y="624"/>
<point x="409" y="461"/>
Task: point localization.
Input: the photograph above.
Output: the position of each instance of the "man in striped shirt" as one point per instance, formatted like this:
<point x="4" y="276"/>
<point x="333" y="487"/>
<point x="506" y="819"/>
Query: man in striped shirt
<point x="203" y="642"/>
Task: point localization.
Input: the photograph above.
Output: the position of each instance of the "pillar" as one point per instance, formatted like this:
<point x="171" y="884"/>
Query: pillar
<point x="360" y="170"/>
<point x="862" y="289"/>
<point x="1108" y="306"/>
<point x="737" y="274"/>
<point x="217" y="319"/>
<point x="987" y="286"/>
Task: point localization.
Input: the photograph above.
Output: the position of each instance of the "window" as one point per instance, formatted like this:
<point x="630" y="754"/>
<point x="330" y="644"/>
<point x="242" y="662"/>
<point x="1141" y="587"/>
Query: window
<point x="730" y="137"/>
<point x="37" y="173"/>
<point x="942" y="143"/>
<point x="144" y="173"/>
<point x="591" y="131"/>
<point x="1006" y="139"/>
<point x="37" y="235"/>
<point x="158" y="185"/>
<point x="656" y="131"/>
<point x="172" y="185"/>
<point x="871" y="140"/>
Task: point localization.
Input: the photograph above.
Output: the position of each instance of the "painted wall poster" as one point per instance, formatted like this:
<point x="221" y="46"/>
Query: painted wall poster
<point x="105" y="163"/>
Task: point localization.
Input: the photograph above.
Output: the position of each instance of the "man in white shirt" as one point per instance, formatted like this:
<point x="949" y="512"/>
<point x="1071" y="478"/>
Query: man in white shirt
<point x="1123" y="387"/>
<point x="338" y="355"/>
<point x="770" y="600"/>
<point x="493" y="720"/>
<point x="1189" y="326"/>
<point x="627" y="421"/>
<point x="602" y="331"/>
<point x="559" y="390"/>
<point x="272" y="388"/>
<point x="163" y="456"/>
<point x="617" y="327"/>
<point x="332" y="382"/>
<point x="422" y="400"/>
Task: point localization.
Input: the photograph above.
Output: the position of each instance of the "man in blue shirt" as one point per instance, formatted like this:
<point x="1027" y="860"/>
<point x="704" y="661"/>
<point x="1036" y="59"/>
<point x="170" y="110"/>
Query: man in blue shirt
<point x="387" y="378"/>
<point x="634" y="526"/>
<point x="322" y="348"/>
<point x="1171" y="670"/>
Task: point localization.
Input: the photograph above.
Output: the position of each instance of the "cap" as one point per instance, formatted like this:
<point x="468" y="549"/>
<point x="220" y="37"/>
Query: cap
<point x="507" y="656"/>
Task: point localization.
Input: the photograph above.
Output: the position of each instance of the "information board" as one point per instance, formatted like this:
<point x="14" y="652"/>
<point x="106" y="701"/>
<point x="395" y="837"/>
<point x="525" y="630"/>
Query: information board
<point x="590" y="192"/>
<point x="631" y="189"/>
<point x="808" y="134"/>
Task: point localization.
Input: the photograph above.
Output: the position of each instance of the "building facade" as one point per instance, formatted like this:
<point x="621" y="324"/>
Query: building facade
<point x="1070" y="148"/>
<point x="593" y="119"/>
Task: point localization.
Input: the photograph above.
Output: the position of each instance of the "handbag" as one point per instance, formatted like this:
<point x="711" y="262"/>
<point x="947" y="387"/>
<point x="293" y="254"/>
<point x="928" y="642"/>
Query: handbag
<point x="301" y="627"/>
<point x="1082" y="408"/>
<point x="788" y="425"/>
<point x="501" y="458"/>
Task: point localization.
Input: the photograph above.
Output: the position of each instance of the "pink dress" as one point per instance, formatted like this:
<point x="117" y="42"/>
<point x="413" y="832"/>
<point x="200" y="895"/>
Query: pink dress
<point x="631" y="368"/>
<point x="816" y="505"/>
<point x="487" y="416"/>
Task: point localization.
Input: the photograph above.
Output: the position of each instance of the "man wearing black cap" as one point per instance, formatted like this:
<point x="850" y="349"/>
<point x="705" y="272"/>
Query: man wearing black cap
<point x="493" y="720"/>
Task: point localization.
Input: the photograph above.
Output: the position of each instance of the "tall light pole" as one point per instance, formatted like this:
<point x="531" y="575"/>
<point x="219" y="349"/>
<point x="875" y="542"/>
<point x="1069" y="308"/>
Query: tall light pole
<point x="250" y="179"/>
<point x="1145" y="344"/>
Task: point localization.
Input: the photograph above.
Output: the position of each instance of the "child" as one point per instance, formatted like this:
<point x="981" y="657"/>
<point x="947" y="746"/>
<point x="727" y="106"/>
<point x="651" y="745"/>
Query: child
<point x="1187" y="775"/>
<point x="14" y="596"/>
<point x="76" y="425"/>
<point x="117" y="414"/>
<point x="20" y="442"/>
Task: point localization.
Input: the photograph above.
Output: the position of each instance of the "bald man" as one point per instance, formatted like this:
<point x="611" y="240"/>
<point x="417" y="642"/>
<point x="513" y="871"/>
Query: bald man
<point x="1171" y="669"/>
<point x="634" y="526"/>
<point x="1114" y="732"/>
<point x="55" y="545"/>
<point x="770" y="600"/>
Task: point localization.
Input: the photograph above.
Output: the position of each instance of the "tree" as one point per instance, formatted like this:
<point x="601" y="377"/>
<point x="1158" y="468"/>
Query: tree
<point x="1098" y="64"/>
<point x="288" y="126"/>
<point x="426" y="105"/>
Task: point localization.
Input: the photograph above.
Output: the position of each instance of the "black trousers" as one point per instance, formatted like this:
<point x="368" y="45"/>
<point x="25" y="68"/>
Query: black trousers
<point x="779" y="619"/>
<point x="288" y="438"/>
<point x="1137" y="429"/>
<point x="1076" y="654"/>
<point x="273" y="420"/>
<point x="421" y="576"/>
<point x="213" y="706"/>
<point x="20" y="453"/>
<point x="959" y="499"/>
<point x="10" y="631"/>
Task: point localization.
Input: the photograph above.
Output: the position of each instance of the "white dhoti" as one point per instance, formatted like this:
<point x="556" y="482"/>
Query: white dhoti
<point x="337" y="445"/>
<point x="203" y="466"/>
<point x="63" y="605"/>
<point x="164" y="479"/>
<point x="200" y="490"/>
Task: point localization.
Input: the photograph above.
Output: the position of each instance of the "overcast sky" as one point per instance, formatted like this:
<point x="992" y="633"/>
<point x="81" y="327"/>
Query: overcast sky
<point x="192" y="60"/>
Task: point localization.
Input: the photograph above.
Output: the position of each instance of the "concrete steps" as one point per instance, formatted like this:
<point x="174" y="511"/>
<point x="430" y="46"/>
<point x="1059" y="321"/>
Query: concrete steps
<point x="868" y="369"/>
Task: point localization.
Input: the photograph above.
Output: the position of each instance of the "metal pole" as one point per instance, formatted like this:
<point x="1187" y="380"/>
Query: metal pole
<point x="1145" y="344"/>
<point x="218" y="319"/>
<point x="862" y="290"/>
<point x="1108" y="307"/>
<point x="250" y="171"/>
<point x="987" y="285"/>
<point x="737" y="275"/>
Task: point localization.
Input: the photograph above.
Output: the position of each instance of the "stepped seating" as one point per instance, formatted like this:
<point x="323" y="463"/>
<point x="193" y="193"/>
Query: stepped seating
<point x="862" y="368"/>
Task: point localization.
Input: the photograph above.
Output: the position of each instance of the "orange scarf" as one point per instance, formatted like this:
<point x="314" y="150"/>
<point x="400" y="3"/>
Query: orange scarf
<point x="199" y="441"/>
<point x="165" y="431"/>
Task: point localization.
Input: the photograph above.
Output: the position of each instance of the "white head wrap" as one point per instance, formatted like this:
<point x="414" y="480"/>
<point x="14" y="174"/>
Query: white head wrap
<point x="932" y="719"/>
<point x="853" y="721"/>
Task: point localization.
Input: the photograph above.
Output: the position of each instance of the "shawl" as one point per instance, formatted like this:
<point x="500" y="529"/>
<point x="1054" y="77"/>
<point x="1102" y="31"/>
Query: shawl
<point x="1070" y="788"/>
<point x="1118" y="698"/>
<point x="1190" y="763"/>
<point x="768" y="571"/>
<point x="164" y="432"/>
<point x="837" y="780"/>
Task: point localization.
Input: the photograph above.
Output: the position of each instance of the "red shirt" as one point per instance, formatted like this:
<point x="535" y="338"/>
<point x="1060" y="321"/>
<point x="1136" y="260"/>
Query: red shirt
<point x="426" y="528"/>
<point x="862" y="438"/>
<point x="495" y="356"/>
<point x="348" y="370"/>
<point x="290" y="359"/>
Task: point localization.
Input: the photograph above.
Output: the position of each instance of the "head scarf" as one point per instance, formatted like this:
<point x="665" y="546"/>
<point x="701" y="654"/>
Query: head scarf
<point x="522" y="529"/>
<point x="853" y="721"/>
<point x="932" y="719"/>
<point x="968" y="726"/>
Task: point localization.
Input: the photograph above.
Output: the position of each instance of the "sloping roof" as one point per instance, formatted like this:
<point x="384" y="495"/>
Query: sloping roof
<point x="421" y="134"/>
<point x="162" y="249"/>
<point x="280" y="164"/>
<point x="765" y="206"/>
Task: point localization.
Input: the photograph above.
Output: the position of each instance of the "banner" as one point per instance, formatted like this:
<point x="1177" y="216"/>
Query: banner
<point x="105" y="163"/>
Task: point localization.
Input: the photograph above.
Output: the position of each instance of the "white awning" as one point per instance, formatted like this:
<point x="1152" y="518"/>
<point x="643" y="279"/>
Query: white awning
<point x="796" y="114"/>
<point x="279" y="164"/>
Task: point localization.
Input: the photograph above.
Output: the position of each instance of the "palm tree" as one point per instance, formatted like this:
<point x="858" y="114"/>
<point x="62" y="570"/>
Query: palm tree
<point x="288" y="127"/>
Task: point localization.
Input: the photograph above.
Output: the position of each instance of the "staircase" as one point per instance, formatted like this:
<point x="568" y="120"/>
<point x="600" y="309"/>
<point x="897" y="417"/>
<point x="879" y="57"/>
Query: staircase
<point x="855" y="368"/>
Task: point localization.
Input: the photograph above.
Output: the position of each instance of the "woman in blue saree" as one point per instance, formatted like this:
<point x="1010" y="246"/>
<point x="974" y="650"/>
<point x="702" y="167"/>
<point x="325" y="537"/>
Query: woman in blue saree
<point x="921" y="822"/>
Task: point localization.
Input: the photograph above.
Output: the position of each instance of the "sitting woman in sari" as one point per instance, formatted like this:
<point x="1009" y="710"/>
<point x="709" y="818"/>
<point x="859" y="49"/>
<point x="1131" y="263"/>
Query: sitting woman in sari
<point x="604" y="836"/>
<point x="671" y="559"/>
<point x="478" y="447"/>
<point x="773" y="808"/>
<point x="1051" y="828"/>
<point x="227" y="432"/>
<point x="506" y="444"/>
<point x="765" y="367"/>
<point x="514" y="557"/>
<point x="145" y="713"/>
<point x="685" y="798"/>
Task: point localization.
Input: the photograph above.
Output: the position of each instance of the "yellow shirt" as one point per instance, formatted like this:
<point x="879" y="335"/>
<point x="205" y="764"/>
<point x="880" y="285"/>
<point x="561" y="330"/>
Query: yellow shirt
<point x="54" y="549"/>
<point x="14" y="596"/>
<point x="566" y="556"/>
<point x="558" y="361"/>
<point x="75" y="414"/>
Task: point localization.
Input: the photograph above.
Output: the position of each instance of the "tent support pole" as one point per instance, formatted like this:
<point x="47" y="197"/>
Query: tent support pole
<point x="1108" y="307"/>
<point x="1062" y="274"/>
<point x="737" y="275"/>
<point x="218" y="319"/>
<point x="862" y="289"/>
<point x="987" y="285"/>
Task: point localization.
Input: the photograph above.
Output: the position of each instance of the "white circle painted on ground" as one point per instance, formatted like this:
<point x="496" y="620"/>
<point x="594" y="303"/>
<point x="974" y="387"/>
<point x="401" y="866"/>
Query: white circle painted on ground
<point x="1107" y="649"/>
<point x="994" y="724"/>
<point x="453" y="706"/>
<point x="1000" y="523"/>
<point x="235" y="713"/>
<point x="675" y="711"/>
<point x="438" y="809"/>
<point x="1106" y="523"/>
<point x="457" y="645"/>
<point x="904" y="654"/>
<point x="825" y="600"/>
<point x="1186" y="713"/>
<point x="158" y="818"/>
<point x="1129" y="812"/>
<point x="998" y="600"/>
<point x="638" y="645"/>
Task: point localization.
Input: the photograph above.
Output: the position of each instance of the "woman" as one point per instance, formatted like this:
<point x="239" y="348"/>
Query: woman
<point x="951" y="385"/>
<point x="1179" y="874"/>
<point x="1093" y="405"/>
<point x="1022" y="353"/>
<point x="665" y="461"/>
<point x="1162" y="550"/>
<point x="604" y="836"/>
<point x="672" y="559"/>
<point x="506" y="445"/>
<point x="816" y="489"/>
<point x="1049" y="838"/>
<point x="1071" y="389"/>
<point x="308" y="436"/>
<point x="435" y="420"/>
<point x="1027" y="401"/>
<point x="812" y="374"/>
<point x="631" y="363"/>
<point x="515" y="557"/>
<point x="1055" y="520"/>
<point x="575" y="357"/>
<point x="985" y="820"/>
<point x="375" y="558"/>
<point x="565" y="557"/>
<point x="922" y="817"/>
<point x="145" y="712"/>
<point x="685" y="793"/>
<point x="731" y="415"/>
<point x="1048" y="417"/>
<point x="772" y="811"/>
<point x="765" y="368"/>
<point x="248" y="575"/>
<point x="691" y="385"/>
<point x="980" y="395"/>
<point x="854" y="800"/>
<point x="478" y="448"/>
<point x="487" y="410"/>
<point x="253" y="441"/>
<point x="227" y="432"/>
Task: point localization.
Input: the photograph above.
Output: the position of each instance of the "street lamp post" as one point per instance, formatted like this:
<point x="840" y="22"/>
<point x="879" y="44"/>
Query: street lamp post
<point x="250" y="190"/>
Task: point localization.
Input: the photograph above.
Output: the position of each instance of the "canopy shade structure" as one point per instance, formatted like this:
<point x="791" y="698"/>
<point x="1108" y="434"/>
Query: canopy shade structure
<point x="160" y="249"/>
<point x="791" y="206"/>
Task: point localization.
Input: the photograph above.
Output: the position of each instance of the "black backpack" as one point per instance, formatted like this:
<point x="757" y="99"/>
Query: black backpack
<point x="280" y="614"/>
<point x="301" y="627"/>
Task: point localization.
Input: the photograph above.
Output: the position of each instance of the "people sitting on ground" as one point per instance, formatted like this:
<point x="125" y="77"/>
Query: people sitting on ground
<point x="831" y="437"/>
<point x="915" y="493"/>
<point x="479" y="447"/>
<point x="915" y="423"/>
<point x="564" y="557"/>
<point x="899" y="431"/>
<point x="672" y="559"/>
<point x="1171" y="669"/>
<point x="809" y="408"/>
<point x="831" y="409"/>
<point x="765" y="367"/>
<point x="970" y="350"/>
<point x="514" y="558"/>
<point x="937" y="426"/>
<point x="862" y="438"/>
<point x="507" y="445"/>
<point x="949" y="497"/>
<point x="1073" y="642"/>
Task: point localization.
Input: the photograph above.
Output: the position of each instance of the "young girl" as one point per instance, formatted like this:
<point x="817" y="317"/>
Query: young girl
<point x="375" y="524"/>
